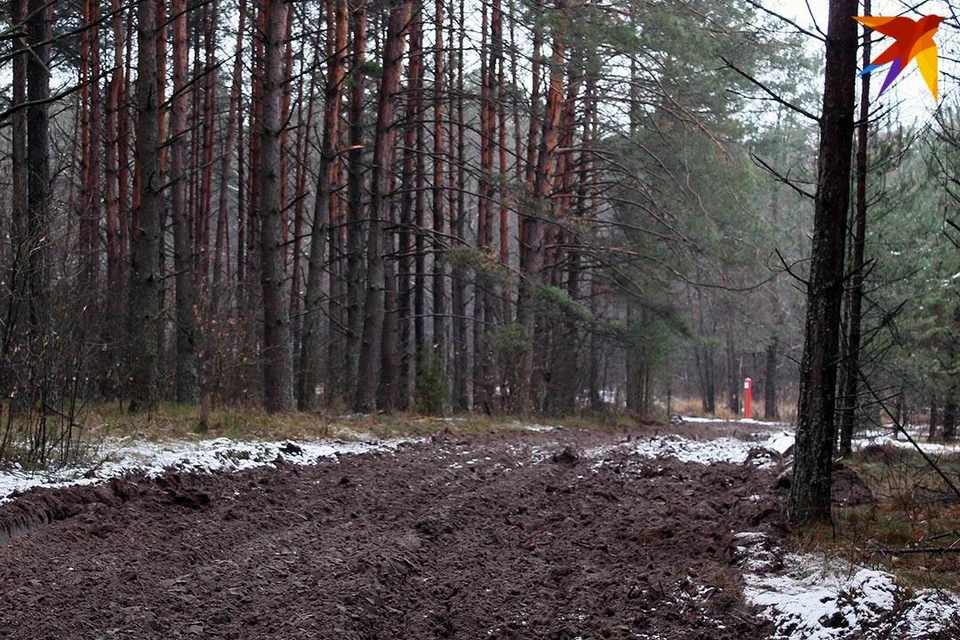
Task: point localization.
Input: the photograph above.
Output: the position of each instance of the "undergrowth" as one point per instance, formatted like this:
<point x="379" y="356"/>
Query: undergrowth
<point x="912" y="529"/>
<point x="177" y="421"/>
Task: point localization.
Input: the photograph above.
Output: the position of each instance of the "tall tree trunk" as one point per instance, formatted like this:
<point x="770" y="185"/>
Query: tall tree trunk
<point x="202" y="241"/>
<point x="439" y="198"/>
<point x="849" y="403"/>
<point x="371" y="341"/>
<point x="92" y="199"/>
<point x="950" y="415"/>
<point x="310" y="352"/>
<point x="252" y="258"/>
<point x="564" y="380"/>
<point x="481" y="397"/>
<point x="355" y="196"/>
<point x="389" y="351"/>
<point x="703" y="354"/>
<point x="124" y="179"/>
<point x="438" y="284"/>
<point x="19" y="235"/>
<point x="114" y="209"/>
<point x="456" y="204"/>
<point x="162" y="258"/>
<point x="220" y="259"/>
<point x="816" y="429"/>
<point x="532" y="248"/>
<point x="770" y="381"/>
<point x="632" y="365"/>
<point x="733" y="376"/>
<point x="243" y="194"/>
<point x="534" y="122"/>
<point x="285" y="102"/>
<point x="593" y="376"/>
<point x="278" y="354"/>
<point x="187" y="363"/>
<point x="411" y="217"/>
<point x="708" y="387"/>
<point x="951" y="405"/>
<point x="302" y="154"/>
<point x="144" y="317"/>
<point x="502" y="128"/>
<point x="39" y="176"/>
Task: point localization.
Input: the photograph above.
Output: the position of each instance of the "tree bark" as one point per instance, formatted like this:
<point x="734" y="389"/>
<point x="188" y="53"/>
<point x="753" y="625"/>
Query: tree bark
<point x="481" y="390"/>
<point x="210" y="117"/>
<point x="19" y="235"/>
<point x="439" y="184"/>
<point x="311" y="349"/>
<point x="770" y="380"/>
<point x="438" y="283"/>
<point x="504" y="169"/>
<point x="39" y="35"/>
<point x="90" y="207"/>
<point x="816" y="429"/>
<point x="221" y="261"/>
<point x="456" y="205"/>
<point x="187" y="362"/>
<point x="389" y="351"/>
<point x="951" y="405"/>
<point x="532" y="247"/>
<point x="411" y="235"/>
<point x="355" y="197"/>
<point x="278" y="354"/>
<point x="733" y="376"/>
<point x="372" y="337"/>
<point x="145" y="230"/>
<point x="950" y="413"/>
<point x="851" y="365"/>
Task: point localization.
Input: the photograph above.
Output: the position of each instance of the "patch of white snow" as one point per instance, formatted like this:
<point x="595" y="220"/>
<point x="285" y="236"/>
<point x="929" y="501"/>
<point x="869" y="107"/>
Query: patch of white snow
<point x="205" y="456"/>
<point x="725" y="449"/>
<point x="814" y="597"/>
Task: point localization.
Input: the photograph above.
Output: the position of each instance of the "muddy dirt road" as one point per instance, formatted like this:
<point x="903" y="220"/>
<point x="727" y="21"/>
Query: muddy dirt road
<point x="535" y="535"/>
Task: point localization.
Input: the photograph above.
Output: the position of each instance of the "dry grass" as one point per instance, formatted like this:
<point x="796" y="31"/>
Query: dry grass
<point x="786" y="409"/>
<point x="173" y="421"/>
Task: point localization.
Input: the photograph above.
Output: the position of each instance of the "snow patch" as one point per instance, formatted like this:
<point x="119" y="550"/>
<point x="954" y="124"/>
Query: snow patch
<point x="781" y="442"/>
<point x="540" y="428"/>
<point x="709" y="420"/>
<point x="814" y="597"/>
<point x="205" y="456"/>
<point x="725" y="449"/>
<point x="886" y="439"/>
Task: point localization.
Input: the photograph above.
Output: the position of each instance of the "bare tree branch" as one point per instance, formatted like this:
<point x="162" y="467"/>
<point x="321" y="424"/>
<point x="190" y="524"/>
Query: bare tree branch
<point x="770" y="92"/>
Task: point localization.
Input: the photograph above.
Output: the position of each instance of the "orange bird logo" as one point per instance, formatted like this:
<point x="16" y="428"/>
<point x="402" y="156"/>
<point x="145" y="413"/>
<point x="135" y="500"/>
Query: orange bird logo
<point x="914" y="39"/>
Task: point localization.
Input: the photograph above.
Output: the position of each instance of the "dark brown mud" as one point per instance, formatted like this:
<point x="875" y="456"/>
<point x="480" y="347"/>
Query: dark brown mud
<point x="519" y="536"/>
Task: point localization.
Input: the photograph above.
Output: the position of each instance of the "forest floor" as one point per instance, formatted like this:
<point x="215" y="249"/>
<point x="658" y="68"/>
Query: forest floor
<point x="534" y="533"/>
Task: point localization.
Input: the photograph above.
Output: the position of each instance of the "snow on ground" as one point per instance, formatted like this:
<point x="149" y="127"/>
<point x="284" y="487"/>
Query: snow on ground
<point x="708" y="420"/>
<point x="723" y="449"/>
<point x="888" y="438"/>
<point x="700" y="451"/>
<point x="153" y="458"/>
<point x="538" y="428"/>
<point x="814" y="597"/>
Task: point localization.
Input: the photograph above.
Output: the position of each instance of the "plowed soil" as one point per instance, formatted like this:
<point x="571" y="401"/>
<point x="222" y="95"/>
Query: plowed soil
<point x="497" y="536"/>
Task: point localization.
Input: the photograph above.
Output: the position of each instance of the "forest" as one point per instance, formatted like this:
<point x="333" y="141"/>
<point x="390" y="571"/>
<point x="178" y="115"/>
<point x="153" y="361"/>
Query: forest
<point x="360" y="319"/>
<point x="514" y="206"/>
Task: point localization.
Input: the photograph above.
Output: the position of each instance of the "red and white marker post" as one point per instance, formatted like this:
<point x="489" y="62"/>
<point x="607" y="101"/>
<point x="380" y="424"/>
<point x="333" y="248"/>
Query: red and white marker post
<point x="747" y="398"/>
